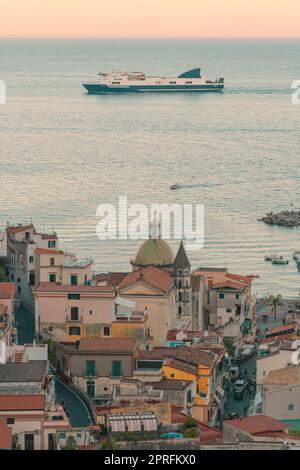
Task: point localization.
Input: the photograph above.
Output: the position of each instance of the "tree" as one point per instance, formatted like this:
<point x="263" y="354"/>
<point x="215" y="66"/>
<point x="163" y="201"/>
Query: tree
<point x="188" y="423"/>
<point x="109" y="444"/>
<point x="191" y="433"/>
<point x="275" y="302"/>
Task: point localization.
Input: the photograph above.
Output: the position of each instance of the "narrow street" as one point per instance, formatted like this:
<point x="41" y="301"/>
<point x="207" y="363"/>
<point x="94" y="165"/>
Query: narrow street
<point x="24" y="320"/>
<point x="76" y="409"/>
<point x="241" y="406"/>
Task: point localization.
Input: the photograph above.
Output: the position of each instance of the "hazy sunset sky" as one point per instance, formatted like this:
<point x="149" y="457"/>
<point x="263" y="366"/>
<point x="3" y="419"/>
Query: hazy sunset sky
<point x="150" y="18"/>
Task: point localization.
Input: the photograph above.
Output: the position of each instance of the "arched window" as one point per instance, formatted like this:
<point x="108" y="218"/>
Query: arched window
<point x="179" y="283"/>
<point x="180" y="296"/>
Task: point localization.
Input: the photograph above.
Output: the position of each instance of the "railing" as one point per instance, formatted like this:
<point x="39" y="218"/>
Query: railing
<point x="70" y="319"/>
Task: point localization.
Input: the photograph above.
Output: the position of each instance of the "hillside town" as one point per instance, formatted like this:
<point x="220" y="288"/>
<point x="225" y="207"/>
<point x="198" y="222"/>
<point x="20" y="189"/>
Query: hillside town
<point x="162" y="356"/>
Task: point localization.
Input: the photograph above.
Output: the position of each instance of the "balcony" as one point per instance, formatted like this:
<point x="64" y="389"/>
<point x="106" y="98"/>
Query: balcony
<point x="74" y="319"/>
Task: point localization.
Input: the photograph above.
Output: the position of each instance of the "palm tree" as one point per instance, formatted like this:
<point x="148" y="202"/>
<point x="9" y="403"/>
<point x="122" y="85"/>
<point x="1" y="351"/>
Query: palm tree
<point x="275" y="302"/>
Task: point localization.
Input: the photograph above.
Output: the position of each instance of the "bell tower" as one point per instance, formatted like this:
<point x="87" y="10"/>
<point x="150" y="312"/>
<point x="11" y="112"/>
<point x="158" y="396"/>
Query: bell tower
<point x="182" y="276"/>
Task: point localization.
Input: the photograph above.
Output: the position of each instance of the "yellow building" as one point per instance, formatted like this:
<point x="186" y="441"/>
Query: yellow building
<point x="203" y="367"/>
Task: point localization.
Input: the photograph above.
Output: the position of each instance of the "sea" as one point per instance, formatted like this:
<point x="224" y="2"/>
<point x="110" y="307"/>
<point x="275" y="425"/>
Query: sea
<point x="63" y="152"/>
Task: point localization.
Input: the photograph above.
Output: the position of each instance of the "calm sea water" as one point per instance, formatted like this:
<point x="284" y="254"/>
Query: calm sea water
<point x="62" y="152"/>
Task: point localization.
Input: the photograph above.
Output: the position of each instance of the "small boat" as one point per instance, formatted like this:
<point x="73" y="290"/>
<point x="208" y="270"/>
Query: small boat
<point x="271" y="257"/>
<point x="176" y="186"/>
<point x="296" y="255"/>
<point x="280" y="260"/>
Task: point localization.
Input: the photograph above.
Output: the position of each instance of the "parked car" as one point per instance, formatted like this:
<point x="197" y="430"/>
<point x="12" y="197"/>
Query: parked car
<point x="239" y="389"/>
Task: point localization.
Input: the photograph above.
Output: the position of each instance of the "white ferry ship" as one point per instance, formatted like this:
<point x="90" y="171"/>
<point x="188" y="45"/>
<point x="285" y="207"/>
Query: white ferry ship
<point x="137" y="82"/>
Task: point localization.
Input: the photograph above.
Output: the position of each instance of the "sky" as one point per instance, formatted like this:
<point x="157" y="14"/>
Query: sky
<point x="150" y="18"/>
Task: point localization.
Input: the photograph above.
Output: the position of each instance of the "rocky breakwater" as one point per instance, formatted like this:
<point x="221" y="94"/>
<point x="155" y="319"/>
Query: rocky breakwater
<point x="282" y="219"/>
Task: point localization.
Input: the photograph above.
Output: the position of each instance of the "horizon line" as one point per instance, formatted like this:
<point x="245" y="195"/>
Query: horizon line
<point x="224" y="38"/>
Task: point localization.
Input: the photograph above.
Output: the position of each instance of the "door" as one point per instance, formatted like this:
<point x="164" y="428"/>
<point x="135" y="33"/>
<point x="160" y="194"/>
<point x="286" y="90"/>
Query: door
<point x="29" y="441"/>
<point x="116" y="372"/>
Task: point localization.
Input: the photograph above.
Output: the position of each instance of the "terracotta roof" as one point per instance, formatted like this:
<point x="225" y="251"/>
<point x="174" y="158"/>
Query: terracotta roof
<point x="111" y="279"/>
<point x="285" y="376"/>
<point x="47" y="251"/>
<point x="183" y="366"/>
<point x="5" y="435"/>
<point x="155" y="277"/>
<point x="159" y="353"/>
<point x="108" y="344"/>
<point x="195" y="356"/>
<point x="22" y="402"/>
<point x="171" y="334"/>
<point x="278" y="329"/>
<point x="169" y="384"/>
<point x="7" y="290"/>
<point x="20" y="228"/>
<point x="55" y="287"/>
<point x="258" y="424"/>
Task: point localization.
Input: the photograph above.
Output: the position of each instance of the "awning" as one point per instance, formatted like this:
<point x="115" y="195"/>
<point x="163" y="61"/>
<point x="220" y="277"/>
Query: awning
<point x="133" y="423"/>
<point x="116" y="423"/>
<point x="149" y="422"/>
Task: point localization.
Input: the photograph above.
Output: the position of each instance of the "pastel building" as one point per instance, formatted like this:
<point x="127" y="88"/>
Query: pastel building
<point x="205" y="369"/>
<point x="61" y="267"/>
<point x="71" y="312"/>
<point x="22" y="241"/>
<point x="7" y="304"/>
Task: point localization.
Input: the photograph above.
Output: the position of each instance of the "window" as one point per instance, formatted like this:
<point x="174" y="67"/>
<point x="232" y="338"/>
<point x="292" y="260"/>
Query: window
<point x="64" y="363"/>
<point x="52" y="261"/>
<point x="73" y="279"/>
<point x="179" y="284"/>
<point x="172" y="375"/>
<point x="237" y="296"/>
<point x="228" y="310"/>
<point x="172" y="83"/>
<point x="116" y="369"/>
<point x="74" y="331"/>
<point x="29" y="441"/>
<point x="62" y="435"/>
<point x="10" y="421"/>
<point x="30" y="259"/>
<point x="188" y="83"/>
<point x="73" y="296"/>
<point x="180" y="296"/>
<point x="74" y="313"/>
<point x="221" y="295"/>
<point x="51" y="243"/>
<point x="179" y="311"/>
<point x="291" y="407"/>
<point x="18" y="280"/>
<point x="19" y="290"/>
<point x="90" y="368"/>
<point x="31" y="279"/>
<point x="105" y="389"/>
<point x="115" y="83"/>
<point x="90" y="388"/>
<point x="52" y="277"/>
<point x="106" y="331"/>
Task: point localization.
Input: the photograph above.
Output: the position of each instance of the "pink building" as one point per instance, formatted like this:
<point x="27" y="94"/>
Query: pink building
<point x="69" y="313"/>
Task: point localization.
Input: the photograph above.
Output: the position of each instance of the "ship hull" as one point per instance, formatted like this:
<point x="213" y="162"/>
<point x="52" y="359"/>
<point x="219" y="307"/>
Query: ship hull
<point x="98" y="88"/>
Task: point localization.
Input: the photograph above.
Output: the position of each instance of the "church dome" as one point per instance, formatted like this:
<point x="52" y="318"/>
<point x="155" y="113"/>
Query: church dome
<point x="154" y="251"/>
